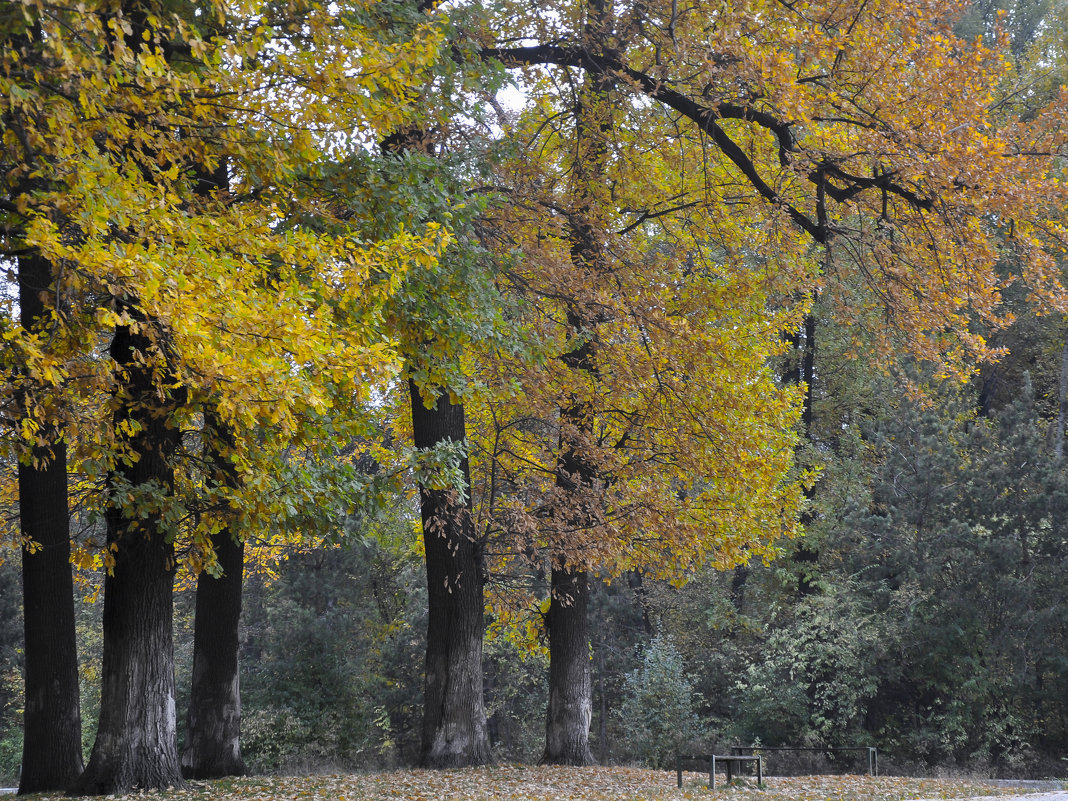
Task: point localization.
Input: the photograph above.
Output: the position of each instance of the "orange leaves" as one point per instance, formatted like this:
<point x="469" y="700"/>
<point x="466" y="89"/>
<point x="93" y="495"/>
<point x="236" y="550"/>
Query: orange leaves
<point x="690" y="435"/>
<point x="875" y="128"/>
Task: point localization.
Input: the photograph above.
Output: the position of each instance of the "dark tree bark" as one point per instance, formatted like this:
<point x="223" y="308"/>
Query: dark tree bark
<point x="570" y="709"/>
<point x="213" y="722"/>
<point x="454" y="712"/>
<point x="52" y="736"/>
<point x="806" y="557"/>
<point x="567" y="727"/>
<point x="136" y="744"/>
<point x="1062" y="407"/>
<point x="454" y="715"/>
<point x="567" y="724"/>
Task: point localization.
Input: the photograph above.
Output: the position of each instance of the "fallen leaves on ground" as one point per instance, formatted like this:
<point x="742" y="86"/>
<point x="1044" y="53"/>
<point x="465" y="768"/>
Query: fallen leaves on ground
<point x="528" y="783"/>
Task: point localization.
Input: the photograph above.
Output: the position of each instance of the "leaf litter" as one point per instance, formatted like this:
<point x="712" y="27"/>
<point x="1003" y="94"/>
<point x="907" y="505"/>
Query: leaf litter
<point x="548" y="783"/>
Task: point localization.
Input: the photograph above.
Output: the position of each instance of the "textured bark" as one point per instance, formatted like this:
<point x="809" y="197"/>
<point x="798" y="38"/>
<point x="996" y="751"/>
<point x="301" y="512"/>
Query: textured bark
<point x="1062" y="407"/>
<point x="454" y="715"/>
<point x="807" y="556"/>
<point x="213" y="723"/>
<point x="213" y="720"/>
<point x="136" y="744"/>
<point x="567" y="729"/>
<point x="52" y="740"/>
<point x="454" y="712"/>
<point x="567" y="724"/>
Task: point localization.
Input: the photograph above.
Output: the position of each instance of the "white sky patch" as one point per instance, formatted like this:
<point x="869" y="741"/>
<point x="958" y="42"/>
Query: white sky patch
<point x="512" y="98"/>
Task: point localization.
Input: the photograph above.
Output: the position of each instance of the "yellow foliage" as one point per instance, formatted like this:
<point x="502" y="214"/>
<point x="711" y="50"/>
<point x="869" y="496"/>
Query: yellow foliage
<point x="272" y="325"/>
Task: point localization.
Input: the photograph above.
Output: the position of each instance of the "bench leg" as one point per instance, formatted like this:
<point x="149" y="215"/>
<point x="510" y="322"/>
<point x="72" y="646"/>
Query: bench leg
<point x="760" y="771"/>
<point x="712" y="775"/>
<point x="678" y="769"/>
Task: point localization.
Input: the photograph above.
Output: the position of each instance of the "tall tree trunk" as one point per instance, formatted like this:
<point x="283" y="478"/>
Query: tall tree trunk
<point x="807" y="555"/>
<point x="1062" y="407"/>
<point x="136" y="743"/>
<point x="454" y="715"/>
<point x="567" y="727"/>
<point x="213" y="722"/>
<point x="52" y="736"/>
<point x="567" y="724"/>
<point x="454" y="711"/>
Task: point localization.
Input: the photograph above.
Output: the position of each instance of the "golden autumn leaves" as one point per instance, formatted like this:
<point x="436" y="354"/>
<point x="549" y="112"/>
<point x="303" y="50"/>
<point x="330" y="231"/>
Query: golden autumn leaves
<point x="147" y="161"/>
<point x="752" y="154"/>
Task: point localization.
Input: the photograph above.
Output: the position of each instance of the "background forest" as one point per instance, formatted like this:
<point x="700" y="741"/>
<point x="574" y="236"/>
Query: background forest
<point x="715" y="394"/>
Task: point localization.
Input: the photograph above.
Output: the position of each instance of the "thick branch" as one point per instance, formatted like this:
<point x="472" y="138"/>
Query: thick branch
<point x="707" y="117"/>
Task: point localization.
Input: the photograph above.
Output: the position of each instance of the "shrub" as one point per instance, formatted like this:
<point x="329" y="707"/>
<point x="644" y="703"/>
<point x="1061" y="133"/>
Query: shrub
<point x="658" y="706"/>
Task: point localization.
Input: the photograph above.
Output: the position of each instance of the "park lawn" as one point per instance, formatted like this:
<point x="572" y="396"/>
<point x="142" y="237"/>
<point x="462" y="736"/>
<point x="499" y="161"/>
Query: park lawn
<point x="528" y="783"/>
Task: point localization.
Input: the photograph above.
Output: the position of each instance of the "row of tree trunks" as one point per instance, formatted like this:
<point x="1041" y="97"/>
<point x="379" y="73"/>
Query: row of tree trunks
<point x="135" y="743"/>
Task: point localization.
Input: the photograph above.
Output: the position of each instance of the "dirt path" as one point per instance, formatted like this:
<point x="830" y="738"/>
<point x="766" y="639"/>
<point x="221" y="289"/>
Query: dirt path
<point x="1038" y="795"/>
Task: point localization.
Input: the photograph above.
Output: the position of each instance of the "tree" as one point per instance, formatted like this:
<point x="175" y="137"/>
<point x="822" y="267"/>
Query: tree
<point x="570" y="708"/>
<point x="136" y="743"/>
<point x="800" y="132"/>
<point x="439" y="322"/>
<point x="454" y="716"/>
<point x="612" y="456"/>
<point x="52" y="739"/>
<point x="213" y="722"/>
<point x="788" y="105"/>
<point x="212" y="300"/>
<point x="454" y="720"/>
<point x="51" y="756"/>
<point x="658" y="706"/>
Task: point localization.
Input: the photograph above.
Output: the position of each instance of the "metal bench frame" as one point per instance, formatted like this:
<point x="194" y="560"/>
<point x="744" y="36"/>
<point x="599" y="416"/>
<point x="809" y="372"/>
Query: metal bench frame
<point x="730" y="763"/>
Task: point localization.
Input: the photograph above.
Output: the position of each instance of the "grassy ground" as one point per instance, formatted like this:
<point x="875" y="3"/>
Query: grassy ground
<point x="526" y="783"/>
